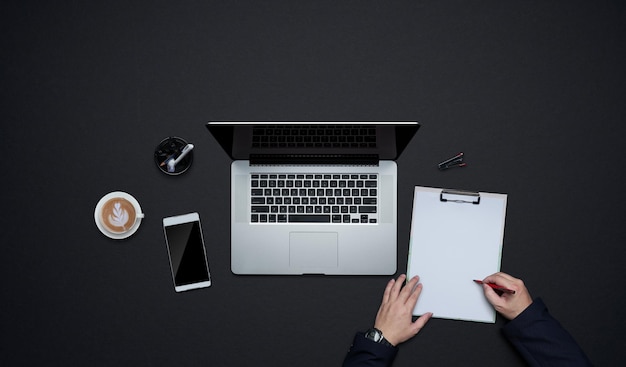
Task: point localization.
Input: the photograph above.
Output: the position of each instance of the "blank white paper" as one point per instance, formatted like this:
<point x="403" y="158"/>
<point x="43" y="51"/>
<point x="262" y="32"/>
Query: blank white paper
<point x="452" y="244"/>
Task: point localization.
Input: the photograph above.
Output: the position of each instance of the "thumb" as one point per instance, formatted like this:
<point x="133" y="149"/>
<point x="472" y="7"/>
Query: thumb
<point x="421" y="321"/>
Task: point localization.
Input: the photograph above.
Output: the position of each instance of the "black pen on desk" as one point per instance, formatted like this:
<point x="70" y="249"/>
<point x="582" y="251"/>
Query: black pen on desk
<point x="449" y="162"/>
<point x="455" y="164"/>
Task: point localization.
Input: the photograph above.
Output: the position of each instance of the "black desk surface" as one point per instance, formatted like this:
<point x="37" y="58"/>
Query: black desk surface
<point x="532" y="92"/>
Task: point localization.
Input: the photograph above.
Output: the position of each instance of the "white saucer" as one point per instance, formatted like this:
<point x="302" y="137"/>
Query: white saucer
<point x="132" y="230"/>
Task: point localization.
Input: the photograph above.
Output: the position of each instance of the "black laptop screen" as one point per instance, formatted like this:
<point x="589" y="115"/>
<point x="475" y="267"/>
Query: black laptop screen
<point x="244" y="140"/>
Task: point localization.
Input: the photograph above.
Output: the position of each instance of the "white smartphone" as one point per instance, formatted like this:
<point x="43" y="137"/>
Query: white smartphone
<point x="185" y="246"/>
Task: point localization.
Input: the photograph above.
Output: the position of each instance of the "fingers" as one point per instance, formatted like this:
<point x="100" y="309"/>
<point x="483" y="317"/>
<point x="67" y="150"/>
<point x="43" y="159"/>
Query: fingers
<point x="387" y="293"/>
<point x="507" y="281"/>
<point x="409" y="289"/>
<point x="491" y="295"/>
<point x="398" y="292"/>
<point x="500" y="279"/>
<point x="395" y="290"/>
<point x="412" y="299"/>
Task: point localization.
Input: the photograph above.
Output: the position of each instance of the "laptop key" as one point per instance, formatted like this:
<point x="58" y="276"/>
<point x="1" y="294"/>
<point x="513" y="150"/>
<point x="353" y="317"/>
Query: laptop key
<point x="367" y="209"/>
<point x="260" y="209"/>
<point x="309" y="218"/>
<point x="258" y="200"/>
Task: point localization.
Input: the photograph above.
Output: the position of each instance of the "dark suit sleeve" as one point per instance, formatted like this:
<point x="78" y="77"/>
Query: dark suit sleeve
<point x="542" y="340"/>
<point x="365" y="352"/>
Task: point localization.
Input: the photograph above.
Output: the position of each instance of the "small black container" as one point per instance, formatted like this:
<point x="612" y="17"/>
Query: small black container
<point x="172" y="147"/>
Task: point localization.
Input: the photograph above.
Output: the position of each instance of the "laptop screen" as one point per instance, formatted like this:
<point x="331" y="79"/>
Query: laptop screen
<point x="280" y="142"/>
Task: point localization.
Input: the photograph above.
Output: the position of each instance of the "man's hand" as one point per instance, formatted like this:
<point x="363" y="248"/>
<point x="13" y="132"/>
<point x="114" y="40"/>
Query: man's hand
<point x="395" y="315"/>
<point x="509" y="305"/>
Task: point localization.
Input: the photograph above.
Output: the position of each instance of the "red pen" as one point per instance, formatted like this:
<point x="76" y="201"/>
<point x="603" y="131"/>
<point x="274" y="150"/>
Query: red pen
<point x="496" y="287"/>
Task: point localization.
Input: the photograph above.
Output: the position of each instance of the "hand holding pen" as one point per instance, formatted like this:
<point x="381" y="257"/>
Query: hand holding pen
<point x="511" y="299"/>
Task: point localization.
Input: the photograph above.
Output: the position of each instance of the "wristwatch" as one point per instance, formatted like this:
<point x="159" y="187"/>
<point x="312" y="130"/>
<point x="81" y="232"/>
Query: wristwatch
<point x="377" y="336"/>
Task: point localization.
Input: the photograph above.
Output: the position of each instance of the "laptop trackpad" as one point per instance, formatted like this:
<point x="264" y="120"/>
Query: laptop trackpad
<point x="313" y="249"/>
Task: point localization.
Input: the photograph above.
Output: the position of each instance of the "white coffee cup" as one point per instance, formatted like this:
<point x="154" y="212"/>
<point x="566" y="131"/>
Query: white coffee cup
<point x="118" y="215"/>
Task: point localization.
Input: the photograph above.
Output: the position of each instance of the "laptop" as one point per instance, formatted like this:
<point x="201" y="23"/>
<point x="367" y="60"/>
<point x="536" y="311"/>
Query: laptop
<point x="313" y="197"/>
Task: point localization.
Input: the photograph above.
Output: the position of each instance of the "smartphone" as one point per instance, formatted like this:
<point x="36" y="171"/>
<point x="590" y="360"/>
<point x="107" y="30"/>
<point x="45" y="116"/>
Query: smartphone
<point x="185" y="246"/>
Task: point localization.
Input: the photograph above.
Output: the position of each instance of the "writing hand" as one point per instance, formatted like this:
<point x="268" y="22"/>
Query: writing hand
<point x="395" y="315"/>
<point x="508" y="305"/>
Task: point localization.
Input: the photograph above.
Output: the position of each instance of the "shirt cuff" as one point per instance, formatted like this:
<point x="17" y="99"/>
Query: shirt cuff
<point x="375" y="351"/>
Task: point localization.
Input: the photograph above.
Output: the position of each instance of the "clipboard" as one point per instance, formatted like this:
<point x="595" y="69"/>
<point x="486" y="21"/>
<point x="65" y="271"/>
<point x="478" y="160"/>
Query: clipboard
<point x="456" y="236"/>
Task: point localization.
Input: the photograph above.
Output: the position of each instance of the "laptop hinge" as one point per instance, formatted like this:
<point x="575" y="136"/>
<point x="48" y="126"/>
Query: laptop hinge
<point x="315" y="159"/>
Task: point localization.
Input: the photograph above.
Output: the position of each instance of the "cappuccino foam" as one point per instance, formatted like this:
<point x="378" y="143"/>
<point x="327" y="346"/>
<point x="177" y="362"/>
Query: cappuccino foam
<point x="118" y="215"/>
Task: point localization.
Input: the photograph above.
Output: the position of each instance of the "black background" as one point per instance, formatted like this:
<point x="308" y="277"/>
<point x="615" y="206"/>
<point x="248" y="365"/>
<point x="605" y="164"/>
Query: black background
<point x="532" y="92"/>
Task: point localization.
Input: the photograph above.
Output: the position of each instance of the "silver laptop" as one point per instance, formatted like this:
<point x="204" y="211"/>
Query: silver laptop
<point x="313" y="197"/>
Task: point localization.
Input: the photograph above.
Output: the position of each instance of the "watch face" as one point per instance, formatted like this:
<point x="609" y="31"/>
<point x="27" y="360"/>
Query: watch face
<point x="374" y="335"/>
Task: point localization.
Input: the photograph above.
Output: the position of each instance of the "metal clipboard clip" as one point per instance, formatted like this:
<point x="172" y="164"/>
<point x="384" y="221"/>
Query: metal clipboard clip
<point x="453" y="196"/>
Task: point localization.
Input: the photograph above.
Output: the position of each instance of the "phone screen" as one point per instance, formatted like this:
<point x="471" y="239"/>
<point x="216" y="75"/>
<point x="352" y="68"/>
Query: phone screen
<point x="187" y="255"/>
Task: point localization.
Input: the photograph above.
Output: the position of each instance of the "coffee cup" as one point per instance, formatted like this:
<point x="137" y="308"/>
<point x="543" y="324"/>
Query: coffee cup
<point x="118" y="215"/>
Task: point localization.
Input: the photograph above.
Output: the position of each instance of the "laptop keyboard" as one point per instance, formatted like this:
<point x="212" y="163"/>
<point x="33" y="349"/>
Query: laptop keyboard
<point x="314" y="136"/>
<point x="314" y="198"/>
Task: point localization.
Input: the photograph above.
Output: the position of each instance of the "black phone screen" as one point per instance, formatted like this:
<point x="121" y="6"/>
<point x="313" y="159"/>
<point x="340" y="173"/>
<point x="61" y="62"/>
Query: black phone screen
<point x="187" y="255"/>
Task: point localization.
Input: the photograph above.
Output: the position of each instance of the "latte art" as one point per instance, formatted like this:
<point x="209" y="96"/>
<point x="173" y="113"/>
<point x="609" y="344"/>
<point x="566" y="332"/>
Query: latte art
<point x="118" y="215"/>
<point x="119" y="218"/>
